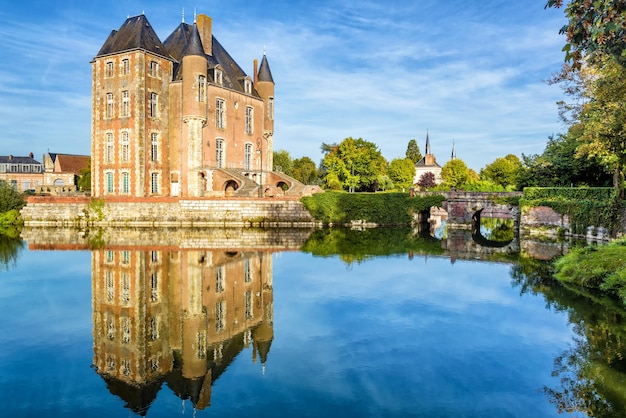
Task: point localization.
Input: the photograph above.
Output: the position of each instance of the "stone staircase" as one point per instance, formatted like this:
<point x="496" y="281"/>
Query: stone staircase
<point x="248" y="187"/>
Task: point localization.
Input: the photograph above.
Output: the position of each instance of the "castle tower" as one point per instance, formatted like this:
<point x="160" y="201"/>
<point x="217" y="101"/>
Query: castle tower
<point x="264" y="84"/>
<point x="194" y="109"/>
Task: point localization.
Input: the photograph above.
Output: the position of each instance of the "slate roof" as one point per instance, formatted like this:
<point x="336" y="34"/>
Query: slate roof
<point x="264" y="71"/>
<point x="135" y="33"/>
<point x="422" y="163"/>
<point x="4" y="159"/>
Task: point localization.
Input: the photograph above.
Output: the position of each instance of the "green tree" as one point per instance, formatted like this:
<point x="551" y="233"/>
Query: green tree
<point x="413" y="151"/>
<point x="354" y="163"/>
<point x="503" y="171"/>
<point x="455" y="173"/>
<point x="304" y="170"/>
<point x="84" y="178"/>
<point x="401" y="172"/>
<point x="594" y="28"/>
<point x="10" y="199"/>
<point x="604" y="121"/>
<point x="283" y="162"/>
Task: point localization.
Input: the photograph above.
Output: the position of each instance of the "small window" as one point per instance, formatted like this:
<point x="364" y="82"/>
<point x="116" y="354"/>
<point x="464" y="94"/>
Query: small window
<point x="125" y="148"/>
<point x="108" y="70"/>
<point x="125" y="182"/>
<point x="247" y="158"/>
<point x="109" y="148"/>
<point x="220" y="113"/>
<point x="25" y="168"/>
<point x="220" y="279"/>
<point x="154" y="105"/>
<point x="3" y="168"/>
<point x="154" y="183"/>
<point x="125" y="66"/>
<point x="154" y="147"/>
<point x="109" y="108"/>
<point x="249" y="120"/>
<point x="154" y="69"/>
<point x="248" y="86"/>
<point x="109" y="178"/>
<point x="125" y="103"/>
<point x="270" y="108"/>
<point x="219" y="153"/>
<point x="201" y="88"/>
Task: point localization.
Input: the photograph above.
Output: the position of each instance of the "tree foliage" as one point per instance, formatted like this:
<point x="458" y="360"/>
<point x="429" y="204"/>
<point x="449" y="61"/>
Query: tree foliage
<point x="503" y="171"/>
<point x="594" y="28"/>
<point x="353" y="163"/>
<point x="84" y="178"/>
<point x="283" y="162"/>
<point x="427" y="180"/>
<point x="10" y="199"/>
<point x="304" y="170"/>
<point x="455" y="173"/>
<point x="401" y="171"/>
<point x="413" y="151"/>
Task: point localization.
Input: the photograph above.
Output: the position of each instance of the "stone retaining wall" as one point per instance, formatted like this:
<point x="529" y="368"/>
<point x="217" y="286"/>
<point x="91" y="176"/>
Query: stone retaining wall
<point x="166" y="212"/>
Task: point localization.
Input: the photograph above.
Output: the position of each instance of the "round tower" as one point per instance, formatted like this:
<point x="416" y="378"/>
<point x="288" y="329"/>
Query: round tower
<point x="264" y="84"/>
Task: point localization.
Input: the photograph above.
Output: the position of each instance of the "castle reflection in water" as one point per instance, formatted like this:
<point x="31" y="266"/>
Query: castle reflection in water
<point x="177" y="316"/>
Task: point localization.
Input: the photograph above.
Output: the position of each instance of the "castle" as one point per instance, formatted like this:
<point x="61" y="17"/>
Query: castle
<point x="179" y="118"/>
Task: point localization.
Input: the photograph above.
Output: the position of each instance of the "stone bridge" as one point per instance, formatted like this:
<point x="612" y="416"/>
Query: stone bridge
<point x="469" y="207"/>
<point x="463" y="212"/>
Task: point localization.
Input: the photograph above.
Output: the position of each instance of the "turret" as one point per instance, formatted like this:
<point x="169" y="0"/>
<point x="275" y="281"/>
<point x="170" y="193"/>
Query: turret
<point x="264" y="84"/>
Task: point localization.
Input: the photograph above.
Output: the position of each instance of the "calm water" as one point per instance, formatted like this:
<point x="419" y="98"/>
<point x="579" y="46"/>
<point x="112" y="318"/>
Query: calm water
<point x="194" y="330"/>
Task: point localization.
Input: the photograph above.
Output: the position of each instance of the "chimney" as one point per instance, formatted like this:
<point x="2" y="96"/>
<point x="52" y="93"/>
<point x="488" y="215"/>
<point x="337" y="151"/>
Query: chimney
<point x="256" y="70"/>
<point x="10" y="157"/>
<point x="205" y="27"/>
<point x="30" y="154"/>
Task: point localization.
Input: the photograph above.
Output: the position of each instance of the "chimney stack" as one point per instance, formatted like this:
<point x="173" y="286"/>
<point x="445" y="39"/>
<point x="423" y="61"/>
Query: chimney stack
<point x="256" y="70"/>
<point x="205" y="27"/>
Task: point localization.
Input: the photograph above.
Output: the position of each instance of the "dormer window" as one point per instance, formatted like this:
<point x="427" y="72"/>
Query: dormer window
<point x="219" y="77"/>
<point x="247" y="86"/>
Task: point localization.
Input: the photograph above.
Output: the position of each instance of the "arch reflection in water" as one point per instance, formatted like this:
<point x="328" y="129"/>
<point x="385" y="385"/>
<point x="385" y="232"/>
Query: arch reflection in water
<point x="177" y="316"/>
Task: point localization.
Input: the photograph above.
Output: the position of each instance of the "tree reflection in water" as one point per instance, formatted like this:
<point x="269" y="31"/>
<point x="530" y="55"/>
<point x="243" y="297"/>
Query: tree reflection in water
<point x="10" y="247"/>
<point x="592" y="372"/>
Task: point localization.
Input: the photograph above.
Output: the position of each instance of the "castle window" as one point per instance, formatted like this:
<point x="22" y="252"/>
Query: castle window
<point x="109" y="285"/>
<point x="125" y="66"/>
<point x="270" y="108"/>
<point x="248" y="86"/>
<point x="109" y="256"/>
<point x="125" y="182"/>
<point x="247" y="271"/>
<point x="154" y="183"/>
<point x="220" y="316"/>
<point x="108" y="70"/>
<point x="125" y="330"/>
<point x="125" y="148"/>
<point x="154" y="287"/>
<point x="125" y="257"/>
<point x="154" y="105"/>
<point x="3" y="168"/>
<point x="247" y="156"/>
<point x="249" y="119"/>
<point x="125" y="288"/>
<point x="248" y="304"/>
<point x="154" y="69"/>
<point x="220" y="279"/>
<point x="154" y="328"/>
<point x="109" y="147"/>
<point x="125" y="103"/>
<point x="154" y="147"/>
<point x="201" y="88"/>
<point x="219" y="77"/>
<point x="109" y="182"/>
<point x="201" y="345"/>
<point x="220" y="113"/>
<point x="109" y="108"/>
<point x="219" y="153"/>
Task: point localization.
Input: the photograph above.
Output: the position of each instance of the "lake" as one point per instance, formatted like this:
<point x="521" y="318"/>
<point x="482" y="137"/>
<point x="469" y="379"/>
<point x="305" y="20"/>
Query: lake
<point x="269" y="323"/>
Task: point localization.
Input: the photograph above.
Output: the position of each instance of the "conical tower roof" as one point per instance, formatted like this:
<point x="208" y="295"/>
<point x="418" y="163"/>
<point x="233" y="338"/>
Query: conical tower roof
<point x="265" y="74"/>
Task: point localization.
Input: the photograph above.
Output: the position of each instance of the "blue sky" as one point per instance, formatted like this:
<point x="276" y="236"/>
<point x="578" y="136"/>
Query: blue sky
<point x="472" y="73"/>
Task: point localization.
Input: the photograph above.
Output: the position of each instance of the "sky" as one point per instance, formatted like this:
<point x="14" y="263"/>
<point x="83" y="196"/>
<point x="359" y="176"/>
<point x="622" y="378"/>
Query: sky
<point x="469" y="73"/>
